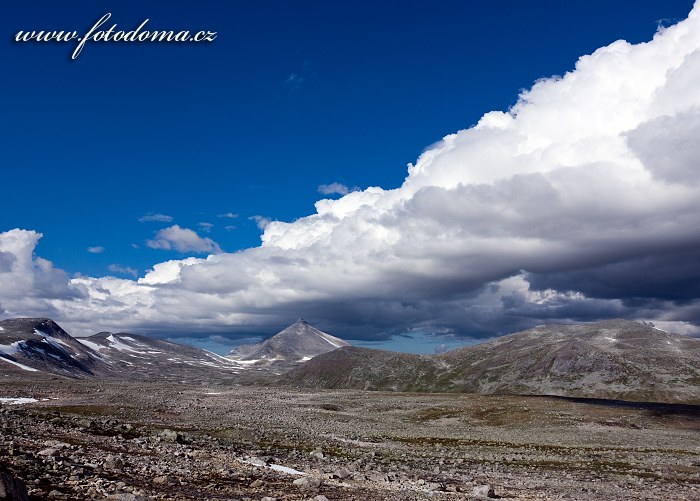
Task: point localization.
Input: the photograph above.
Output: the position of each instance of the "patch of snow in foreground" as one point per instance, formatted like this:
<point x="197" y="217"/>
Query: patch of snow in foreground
<point x="21" y="366"/>
<point x="277" y="467"/>
<point x="305" y="359"/>
<point x="2" y="328"/>
<point x="285" y="469"/>
<point x="17" y="400"/>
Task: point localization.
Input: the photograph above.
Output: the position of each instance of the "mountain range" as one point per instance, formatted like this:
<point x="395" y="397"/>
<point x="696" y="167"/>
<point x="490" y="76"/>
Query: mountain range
<point x="614" y="359"/>
<point x="40" y="345"/>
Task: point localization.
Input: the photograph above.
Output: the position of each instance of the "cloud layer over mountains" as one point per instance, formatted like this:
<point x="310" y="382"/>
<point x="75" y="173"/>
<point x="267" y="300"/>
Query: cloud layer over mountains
<point x="581" y="202"/>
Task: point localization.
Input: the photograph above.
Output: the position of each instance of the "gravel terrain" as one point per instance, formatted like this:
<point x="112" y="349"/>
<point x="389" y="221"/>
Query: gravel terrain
<point x="88" y="439"/>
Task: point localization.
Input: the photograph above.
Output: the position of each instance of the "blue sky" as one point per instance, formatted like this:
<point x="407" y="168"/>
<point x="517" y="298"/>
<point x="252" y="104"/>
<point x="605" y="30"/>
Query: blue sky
<point x="290" y="96"/>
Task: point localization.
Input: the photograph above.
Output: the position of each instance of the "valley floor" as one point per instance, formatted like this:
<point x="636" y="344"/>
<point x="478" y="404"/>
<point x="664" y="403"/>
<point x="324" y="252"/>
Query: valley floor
<point x="131" y="441"/>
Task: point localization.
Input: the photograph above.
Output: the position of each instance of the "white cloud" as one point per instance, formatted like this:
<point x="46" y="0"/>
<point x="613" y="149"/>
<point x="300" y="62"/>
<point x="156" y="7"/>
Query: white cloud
<point x="167" y="272"/>
<point x="96" y="250"/>
<point x="124" y="270"/>
<point x="30" y="285"/>
<point x="205" y="227"/>
<point x="261" y="221"/>
<point x="336" y="189"/>
<point x="182" y="240"/>
<point x="229" y="215"/>
<point x="159" y="218"/>
<point x="578" y="203"/>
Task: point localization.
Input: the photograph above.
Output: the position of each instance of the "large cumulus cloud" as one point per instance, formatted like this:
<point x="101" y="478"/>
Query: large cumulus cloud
<point x="28" y="283"/>
<point x="581" y="202"/>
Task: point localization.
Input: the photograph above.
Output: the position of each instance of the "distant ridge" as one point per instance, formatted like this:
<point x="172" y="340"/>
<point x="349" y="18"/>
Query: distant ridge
<point x="134" y="356"/>
<point x="293" y="345"/>
<point x="616" y="359"/>
<point x="39" y="347"/>
<point x="36" y="347"/>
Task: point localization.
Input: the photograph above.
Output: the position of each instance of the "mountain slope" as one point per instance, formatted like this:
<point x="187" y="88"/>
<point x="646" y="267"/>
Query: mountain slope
<point x="40" y="345"/>
<point x="611" y="359"/>
<point x="134" y="356"/>
<point x="293" y="345"/>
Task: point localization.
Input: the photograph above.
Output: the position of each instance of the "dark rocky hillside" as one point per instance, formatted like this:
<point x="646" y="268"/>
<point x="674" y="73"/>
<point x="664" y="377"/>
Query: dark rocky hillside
<point x="615" y="359"/>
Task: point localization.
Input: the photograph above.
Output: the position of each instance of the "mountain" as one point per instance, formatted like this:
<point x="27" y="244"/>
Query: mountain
<point x="290" y="347"/>
<point x="615" y="359"/>
<point x="40" y="345"/>
<point x="133" y="356"/>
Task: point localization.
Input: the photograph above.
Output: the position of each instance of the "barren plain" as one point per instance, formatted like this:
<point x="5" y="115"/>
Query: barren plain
<point x="90" y="439"/>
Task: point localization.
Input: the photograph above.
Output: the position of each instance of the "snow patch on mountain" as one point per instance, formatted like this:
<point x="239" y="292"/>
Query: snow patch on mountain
<point x="89" y="344"/>
<point x="21" y="366"/>
<point x="11" y="349"/>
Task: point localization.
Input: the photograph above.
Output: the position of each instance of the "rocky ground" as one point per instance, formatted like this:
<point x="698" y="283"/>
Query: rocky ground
<point x="130" y="441"/>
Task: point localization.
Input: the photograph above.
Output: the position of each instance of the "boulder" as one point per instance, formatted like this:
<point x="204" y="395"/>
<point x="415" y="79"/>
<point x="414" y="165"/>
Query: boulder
<point x="12" y="488"/>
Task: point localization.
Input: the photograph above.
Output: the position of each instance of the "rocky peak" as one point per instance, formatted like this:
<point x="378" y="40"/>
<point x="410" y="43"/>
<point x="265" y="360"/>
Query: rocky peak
<point x="296" y="343"/>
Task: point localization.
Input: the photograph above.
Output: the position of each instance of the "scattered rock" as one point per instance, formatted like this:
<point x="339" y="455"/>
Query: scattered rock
<point x="308" y="483"/>
<point x="124" y="496"/>
<point x="341" y="473"/>
<point x="393" y="459"/>
<point x="171" y="436"/>
<point x="484" y="491"/>
<point x="50" y="452"/>
<point x="165" y="480"/>
<point x="257" y="461"/>
<point x="12" y="488"/>
<point x="113" y="463"/>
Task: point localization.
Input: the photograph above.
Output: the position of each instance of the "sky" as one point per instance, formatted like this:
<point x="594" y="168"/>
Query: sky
<point x="405" y="175"/>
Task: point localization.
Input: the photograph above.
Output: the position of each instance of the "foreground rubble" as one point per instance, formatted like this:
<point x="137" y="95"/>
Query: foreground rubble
<point x="130" y="441"/>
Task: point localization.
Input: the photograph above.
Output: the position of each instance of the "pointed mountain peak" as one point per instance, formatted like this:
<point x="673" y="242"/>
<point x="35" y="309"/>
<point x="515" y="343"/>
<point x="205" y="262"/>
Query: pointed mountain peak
<point x="299" y="341"/>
